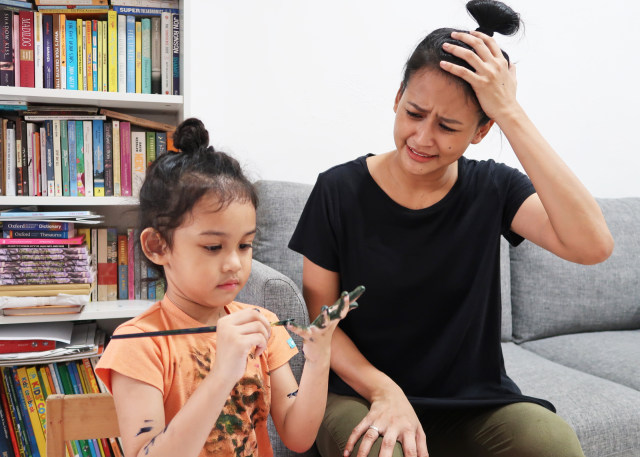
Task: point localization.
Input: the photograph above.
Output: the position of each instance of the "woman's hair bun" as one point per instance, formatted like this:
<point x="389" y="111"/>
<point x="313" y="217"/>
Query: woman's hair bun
<point x="494" y="16"/>
<point x="191" y="135"/>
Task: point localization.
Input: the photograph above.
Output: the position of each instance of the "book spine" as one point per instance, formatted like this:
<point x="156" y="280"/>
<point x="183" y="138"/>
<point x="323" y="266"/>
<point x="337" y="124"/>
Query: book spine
<point x="112" y="50"/>
<point x="37" y="163"/>
<point x="37" y="48"/>
<point x="105" y="53"/>
<point x="73" y="164"/>
<point x="156" y="66"/>
<point x="131" y="293"/>
<point x="103" y="267"/>
<point x="79" y="54"/>
<point x="112" y="262"/>
<point x="115" y="131"/>
<point x="72" y="56"/>
<point x="27" y="69"/>
<point x="6" y="48"/>
<point x="175" y="57"/>
<point x="36" y="225"/>
<point x="38" y="395"/>
<point x="34" y="419"/>
<point x="131" y="53"/>
<point x="95" y="258"/>
<point x="57" y="159"/>
<point x="138" y="161"/>
<point x="98" y="158"/>
<point x="88" y="30"/>
<point x="63" y="51"/>
<point x="19" y="189"/>
<point x="123" y="273"/>
<point x="43" y="160"/>
<point x="101" y="54"/>
<point x="64" y="150"/>
<point x="161" y="143"/>
<point x="150" y="147"/>
<point x="138" y="26"/>
<point x="24" y="144"/>
<point x="62" y="234"/>
<point x="142" y="11"/>
<point x="94" y="53"/>
<point x="83" y="44"/>
<point x="87" y="135"/>
<point x="125" y="158"/>
<point x="29" y="164"/>
<point x="145" y="76"/>
<point x="56" y="51"/>
<point x="16" y="49"/>
<point x="8" y="425"/>
<point x="22" y="440"/>
<point x="10" y="160"/>
<point x="80" y="159"/>
<point x="108" y="159"/>
<point x="166" y="56"/>
<point x="47" y="35"/>
<point x="122" y="53"/>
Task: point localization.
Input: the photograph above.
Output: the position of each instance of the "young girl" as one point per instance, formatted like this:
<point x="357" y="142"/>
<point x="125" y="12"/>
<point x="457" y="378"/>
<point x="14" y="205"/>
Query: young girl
<point x="208" y="394"/>
<point x="420" y="369"/>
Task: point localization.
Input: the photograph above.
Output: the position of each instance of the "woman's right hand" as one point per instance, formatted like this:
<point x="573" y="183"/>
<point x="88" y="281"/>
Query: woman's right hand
<point x="396" y="420"/>
<point x="238" y="335"/>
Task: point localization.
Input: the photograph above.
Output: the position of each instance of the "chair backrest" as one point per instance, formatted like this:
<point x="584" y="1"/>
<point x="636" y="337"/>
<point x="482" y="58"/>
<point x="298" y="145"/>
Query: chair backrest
<point x="79" y="417"/>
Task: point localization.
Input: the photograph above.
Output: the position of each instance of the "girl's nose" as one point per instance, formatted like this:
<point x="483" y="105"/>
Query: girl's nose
<point x="232" y="262"/>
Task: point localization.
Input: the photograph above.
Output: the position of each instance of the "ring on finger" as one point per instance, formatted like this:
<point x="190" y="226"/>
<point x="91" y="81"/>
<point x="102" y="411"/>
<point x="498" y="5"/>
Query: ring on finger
<point x="376" y="429"/>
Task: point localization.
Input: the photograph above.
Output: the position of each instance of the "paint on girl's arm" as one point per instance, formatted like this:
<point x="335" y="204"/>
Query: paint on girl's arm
<point x="144" y="430"/>
<point x="150" y="443"/>
<point x="292" y="394"/>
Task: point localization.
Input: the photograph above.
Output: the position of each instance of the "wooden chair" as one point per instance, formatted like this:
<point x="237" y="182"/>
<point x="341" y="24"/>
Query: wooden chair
<point x="79" y="417"/>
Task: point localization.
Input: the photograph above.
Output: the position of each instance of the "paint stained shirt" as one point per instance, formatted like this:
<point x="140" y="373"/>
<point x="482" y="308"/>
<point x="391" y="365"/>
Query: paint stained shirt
<point x="176" y="365"/>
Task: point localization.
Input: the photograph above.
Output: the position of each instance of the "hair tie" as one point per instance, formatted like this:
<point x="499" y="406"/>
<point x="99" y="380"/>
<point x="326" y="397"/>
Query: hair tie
<point x="485" y="31"/>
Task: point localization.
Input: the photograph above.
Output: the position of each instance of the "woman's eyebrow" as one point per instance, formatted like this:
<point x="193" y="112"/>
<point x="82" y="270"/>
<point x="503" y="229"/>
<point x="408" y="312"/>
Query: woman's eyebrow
<point x="423" y="110"/>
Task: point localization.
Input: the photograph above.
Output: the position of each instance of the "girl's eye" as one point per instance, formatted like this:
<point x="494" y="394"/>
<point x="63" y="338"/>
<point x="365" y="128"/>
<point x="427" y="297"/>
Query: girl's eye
<point x="246" y="246"/>
<point x="216" y="247"/>
<point x="414" y="115"/>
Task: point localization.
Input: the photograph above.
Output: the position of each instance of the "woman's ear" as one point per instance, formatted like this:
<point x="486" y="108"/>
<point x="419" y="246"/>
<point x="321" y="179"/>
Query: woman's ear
<point x="154" y="246"/>
<point x="398" y="97"/>
<point x="481" y="132"/>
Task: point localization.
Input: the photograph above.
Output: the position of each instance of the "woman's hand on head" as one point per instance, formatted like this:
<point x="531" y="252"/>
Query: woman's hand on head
<point x="240" y="334"/>
<point x="395" y="420"/>
<point x="494" y="81"/>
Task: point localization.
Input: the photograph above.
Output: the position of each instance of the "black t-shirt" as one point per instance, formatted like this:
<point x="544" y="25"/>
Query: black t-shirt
<point x="430" y="317"/>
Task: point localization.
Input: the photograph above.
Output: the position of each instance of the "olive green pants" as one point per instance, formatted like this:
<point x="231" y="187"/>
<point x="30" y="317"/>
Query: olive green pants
<point x="515" y="430"/>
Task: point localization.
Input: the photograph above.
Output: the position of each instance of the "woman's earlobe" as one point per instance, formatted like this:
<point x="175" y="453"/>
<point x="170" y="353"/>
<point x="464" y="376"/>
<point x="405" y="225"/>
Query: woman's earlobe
<point x="481" y="132"/>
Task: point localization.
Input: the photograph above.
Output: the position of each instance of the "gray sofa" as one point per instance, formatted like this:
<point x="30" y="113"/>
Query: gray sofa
<point x="571" y="333"/>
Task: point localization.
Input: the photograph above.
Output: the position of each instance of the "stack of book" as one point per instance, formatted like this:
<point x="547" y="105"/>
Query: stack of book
<point x="78" y="151"/>
<point x="128" y="46"/>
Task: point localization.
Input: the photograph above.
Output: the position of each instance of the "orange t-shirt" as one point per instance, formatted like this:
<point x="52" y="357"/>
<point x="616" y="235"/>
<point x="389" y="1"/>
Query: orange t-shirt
<point x="177" y="364"/>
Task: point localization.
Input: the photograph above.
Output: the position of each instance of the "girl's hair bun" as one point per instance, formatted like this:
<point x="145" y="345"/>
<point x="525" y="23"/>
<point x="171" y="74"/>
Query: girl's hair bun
<point x="494" y="16"/>
<point x="191" y="136"/>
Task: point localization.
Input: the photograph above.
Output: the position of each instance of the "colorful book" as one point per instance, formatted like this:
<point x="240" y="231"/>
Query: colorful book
<point x="131" y="241"/>
<point x="47" y="35"/>
<point x="34" y="418"/>
<point x="105" y="53"/>
<point x="112" y="261"/>
<point x="131" y="53"/>
<point x="56" y="51"/>
<point x="37" y="225"/>
<point x="38" y="55"/>
<point x="80" y="159"/>
<point x="6" y="48"/>
<point x="100" y="49"/>
<point x="38" y="234"/>
<point x="166" y="53"/>
<point x="10" y="157"/>
<point x="72" y="56"/>
<point x="112" y="50"/>
<point x="38" y="396"/>
<point x="48" y="125"/>
<point x="145" y="76"/>
<point x="123" y="273"/>
<point x="150" y="148"/>
<point x="122" y="53"/>
<point x="138" y="161"/>
<point x="115" y="131"/>
<point x="82" y="44"/>
<point x="98" y="158"/>
<point x="64" y="148"/>
<point x="8" y="434"/>
<point x="43" y="160"/>
<point x="27" y="62"/>
<point x="30" y="161"/>
<point x="87" y="135"/>
<point x="63" y="50"/>
<point x="142" y="11"/>
<point x="73" y="164"/>
<point x="18" y="412"/>
<point x="57" y="159"/>
<point x="94" y="53"/>
<point x="80" y="53"/>
<point x="108" y="159"/>
<point x="138" y="64"/>
<point x="125" y="158"/>
<point x="175" y="57"/>
<point x="156" y="66"/>
<point x="88" y="45"/>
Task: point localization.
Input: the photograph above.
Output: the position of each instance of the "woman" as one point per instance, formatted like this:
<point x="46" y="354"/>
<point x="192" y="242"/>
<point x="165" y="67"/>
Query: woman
<point x="420" y="363"/>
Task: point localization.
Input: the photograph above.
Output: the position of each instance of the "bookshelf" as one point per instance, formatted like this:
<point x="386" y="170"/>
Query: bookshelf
<point x="117" y="211"/>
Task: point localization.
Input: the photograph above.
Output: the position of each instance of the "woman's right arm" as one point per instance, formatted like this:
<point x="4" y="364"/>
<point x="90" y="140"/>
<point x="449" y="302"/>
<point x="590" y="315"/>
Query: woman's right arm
<point x="390" y="410"/>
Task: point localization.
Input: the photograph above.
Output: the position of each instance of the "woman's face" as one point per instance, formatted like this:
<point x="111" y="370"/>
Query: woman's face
<point x="435" y="123"/>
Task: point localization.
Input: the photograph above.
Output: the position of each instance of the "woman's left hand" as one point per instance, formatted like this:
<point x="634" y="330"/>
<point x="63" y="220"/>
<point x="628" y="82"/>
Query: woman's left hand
<point x="494" y="80"/>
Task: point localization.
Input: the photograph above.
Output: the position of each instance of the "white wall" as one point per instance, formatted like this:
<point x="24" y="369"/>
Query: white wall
<point x="292" y="87"/>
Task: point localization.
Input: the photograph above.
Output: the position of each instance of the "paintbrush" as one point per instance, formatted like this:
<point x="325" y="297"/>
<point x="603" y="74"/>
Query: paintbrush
<point x="185" y="331"/>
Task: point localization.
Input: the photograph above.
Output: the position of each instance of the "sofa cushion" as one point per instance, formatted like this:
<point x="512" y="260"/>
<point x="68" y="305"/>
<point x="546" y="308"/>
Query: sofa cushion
<point x="505" y="290"/>
<point x="605" y="415"/>
<point x="611" y="355"/>
<point x="280" y="204"/>
<point x="550" y="296"/>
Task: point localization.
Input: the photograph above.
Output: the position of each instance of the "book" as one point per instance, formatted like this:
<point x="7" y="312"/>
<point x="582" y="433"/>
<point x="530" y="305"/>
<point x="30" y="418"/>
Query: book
<point x="62" y="19"/>
<point x="115" y="143"/>
<point x="101" y="53"/>
<point x="38" y="397"/>
<point x="37" y="154"/>
<point x="156" y="66"/>
<point x="108" y="159"/>
<point x="10" y="157"/>
<point x="72" y="55"/>
<point x="24" y="142"/>
<point x="56" y="51"/>
<point x="94" y="54"/>
<point x="122" y="53"/>
<point x="130" y="53"/>
<point x="175" y="55"/>
<point x="150" y="148"/>
<point x="47" y="36"/>
<point x="43" y="160"/>
<point x="131" y="240"/>
<point x="166" y="53"/>
<point x="138" y="59"/>
<point x="112" y="50"/>
<point x="14" y="394"/>
<point x="16" y="49"/>
<point x="73" y="164"/>
<point x="29" y="163"/>
<point x="88" y="46"/>
<point x="19" y="170"/>
<point x="123" y="273"/>
<point x="37" y="234"/>
<point x="57" y="160"/>
<point x="105" y="60"/>
<point x="64" y="154"/>
<point x="87" y="135"/>
<point x="44" y="310"/>
<point x="143" y="10"/>
<point x="27" y="395"/>
<point x="41" y="241"/>
<point x="28" y="345"/>
<point x="71" y="2"/>
<point x="138" y="161"/>
<point x="27" y="64"/>
<point x="48" y="125"/>
<point x="82" y="43"/>
<point x="98" y="158"/>
<point x="8" y="426"/>
<point x="38" y="55"/>
<point x="80" y="53"/>
<point x="147" y="3"/>
<point x="137" y="120"/>
<point x="145" y="64"/>
<point x="125" y="158"/>
<point x="112" y="262"/>
<point x="80" y="168"/>
<point x="103" y="266"/>
<point x="6" y="48"/>
<point x="37" y="225"/>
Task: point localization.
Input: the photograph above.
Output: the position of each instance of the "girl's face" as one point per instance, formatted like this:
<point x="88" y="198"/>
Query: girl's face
<point x="210" y="260"/>
<point x="435" y="123"/>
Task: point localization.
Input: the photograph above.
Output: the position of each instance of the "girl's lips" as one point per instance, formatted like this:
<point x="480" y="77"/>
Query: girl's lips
<point x="229" y="285"/>
<point x="419" y="157"/>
